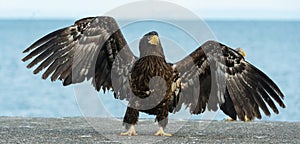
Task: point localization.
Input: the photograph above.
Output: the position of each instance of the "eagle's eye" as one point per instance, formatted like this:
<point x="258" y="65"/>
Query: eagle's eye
<point x="153" y="40"/>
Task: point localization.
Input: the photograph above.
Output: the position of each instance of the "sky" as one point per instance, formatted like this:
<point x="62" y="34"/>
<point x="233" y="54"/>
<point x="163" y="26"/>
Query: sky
<point x="209" y="9"/>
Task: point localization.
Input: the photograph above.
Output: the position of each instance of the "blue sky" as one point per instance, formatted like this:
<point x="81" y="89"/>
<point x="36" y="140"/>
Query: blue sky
<point x="213" y="9"/>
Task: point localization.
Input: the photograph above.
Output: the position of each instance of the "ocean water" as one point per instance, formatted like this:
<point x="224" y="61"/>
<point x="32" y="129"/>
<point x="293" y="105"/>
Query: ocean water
<point x="272" y="46"/>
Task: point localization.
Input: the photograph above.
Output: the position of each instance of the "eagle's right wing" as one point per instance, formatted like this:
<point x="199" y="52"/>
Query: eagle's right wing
<point x="215" y="75"/>
<point x="93" y="47"/>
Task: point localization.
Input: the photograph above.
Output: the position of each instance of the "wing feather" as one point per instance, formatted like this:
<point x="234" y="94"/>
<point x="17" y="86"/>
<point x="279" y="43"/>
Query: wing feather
<point x="41" y="41"/>
<point x="250" y="100"/>
<point x="257" y="98"/>
<point x="238" y="87"/>
<point x="85" y="50"/>
<point x="235" y="97"/>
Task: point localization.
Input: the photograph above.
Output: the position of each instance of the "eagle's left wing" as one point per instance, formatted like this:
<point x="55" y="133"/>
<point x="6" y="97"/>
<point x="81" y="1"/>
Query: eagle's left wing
<point x="216" y="75"/>
<point x="92" y="48"/>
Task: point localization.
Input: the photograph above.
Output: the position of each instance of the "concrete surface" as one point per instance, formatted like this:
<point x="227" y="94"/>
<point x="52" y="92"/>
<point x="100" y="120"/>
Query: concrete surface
<point x="102" y="130"/>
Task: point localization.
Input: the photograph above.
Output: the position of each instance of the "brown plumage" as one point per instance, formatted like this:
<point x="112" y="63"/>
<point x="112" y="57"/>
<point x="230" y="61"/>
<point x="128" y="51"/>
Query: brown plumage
<point x="213" y="76"/>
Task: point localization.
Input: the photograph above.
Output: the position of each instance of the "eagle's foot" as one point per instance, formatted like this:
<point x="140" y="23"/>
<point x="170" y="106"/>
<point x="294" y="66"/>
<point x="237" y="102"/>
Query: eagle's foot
<point x="130" y="132"/>
<point x="246" y="119"/>
<point x="230" y="120"/>
<point x="161" y="132"/>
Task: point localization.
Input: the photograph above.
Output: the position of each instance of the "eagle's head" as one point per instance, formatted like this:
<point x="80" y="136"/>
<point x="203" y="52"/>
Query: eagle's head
<point x="150" y="45"/>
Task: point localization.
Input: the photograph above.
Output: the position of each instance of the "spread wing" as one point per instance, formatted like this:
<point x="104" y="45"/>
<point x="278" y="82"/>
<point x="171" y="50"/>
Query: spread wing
<point x="216" y="75"/>
<point x="89" y="49"/>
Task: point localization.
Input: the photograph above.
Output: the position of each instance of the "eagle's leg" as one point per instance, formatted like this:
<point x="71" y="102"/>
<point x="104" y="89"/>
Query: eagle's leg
<point x="162" y="119"/>
<point x="130" y="119"/>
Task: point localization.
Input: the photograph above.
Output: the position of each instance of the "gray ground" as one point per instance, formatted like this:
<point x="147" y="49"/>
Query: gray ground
<point x="101" y="130"/>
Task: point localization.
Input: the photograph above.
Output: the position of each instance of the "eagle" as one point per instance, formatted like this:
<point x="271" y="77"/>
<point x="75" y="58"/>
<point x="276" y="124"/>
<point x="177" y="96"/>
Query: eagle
<point x="214" y="76"/>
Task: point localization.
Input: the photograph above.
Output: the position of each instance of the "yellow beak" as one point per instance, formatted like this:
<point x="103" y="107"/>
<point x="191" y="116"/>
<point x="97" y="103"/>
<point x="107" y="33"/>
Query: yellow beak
<point x="153" y="40"/>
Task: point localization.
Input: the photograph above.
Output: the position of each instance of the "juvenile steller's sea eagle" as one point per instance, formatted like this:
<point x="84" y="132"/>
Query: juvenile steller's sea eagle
<point x="212" y="76"/>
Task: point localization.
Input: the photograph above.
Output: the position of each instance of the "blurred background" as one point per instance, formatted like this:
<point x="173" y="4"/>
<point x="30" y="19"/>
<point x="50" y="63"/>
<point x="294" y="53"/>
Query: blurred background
<point x="267" y="30"/>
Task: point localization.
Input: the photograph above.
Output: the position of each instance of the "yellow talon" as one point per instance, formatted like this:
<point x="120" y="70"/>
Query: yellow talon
<point x="130" y="132"/>
<point x="247" y="119"/>
<point x="230" y="120"/>
<point x="161" y="132"/>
